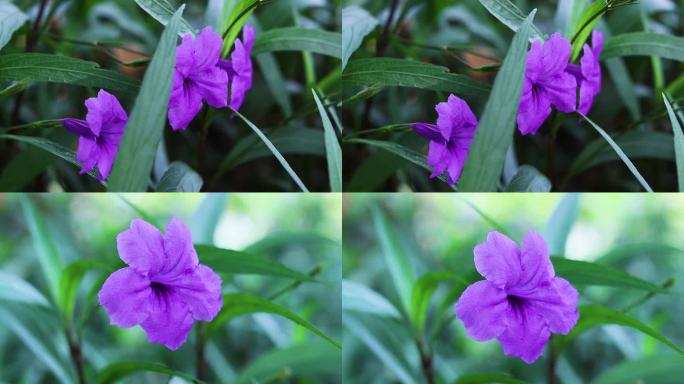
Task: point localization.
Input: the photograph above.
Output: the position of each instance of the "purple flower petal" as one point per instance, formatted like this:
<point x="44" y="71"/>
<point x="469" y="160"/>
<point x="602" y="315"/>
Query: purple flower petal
<point x="184" y="103"/>
<point x="437" y="158"/>
<point x="590" y="85"/>
<point x="481" y="308"/>
<point x="498" y="260"/>
<point x="142" y="247"/>
<point x="428" y="131"/>
<point x="526" y="334"/>
<point x="201" y="290"/>
<point x="207" y="49"/>
<point x="178" y="249"/>
<point x="78" y="127"/>
<point x="242" y="67"/>
<point x="125" y="295"/>
<point x="554" y="56"/>
<point x="534" y="108"/>
<point x="107" y="149"/>
<point x="458" y="156"/>
<point x="211" y="85"/>
<point x="169" y="321"/>
<point x="87" y="154"/>
<point x="556" y="301"/>
<point x="534" y="261"/>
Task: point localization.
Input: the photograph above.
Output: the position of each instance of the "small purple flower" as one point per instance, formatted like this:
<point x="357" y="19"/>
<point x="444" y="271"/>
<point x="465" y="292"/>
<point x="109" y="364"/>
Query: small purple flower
<point x="164" y="288"/>
<point x="99" y="134"/>
<point x="239" y="68"/>
<point x="546" y="83"/>
<point x="197" y="77"/>
<point x="450" y="139"/>
<point x="588" y="73"/>
<point x="521" y="302"/>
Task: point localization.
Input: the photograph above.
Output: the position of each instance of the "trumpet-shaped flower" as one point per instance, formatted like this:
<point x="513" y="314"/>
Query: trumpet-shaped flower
<point x="239" y="68"/>
<point x="99" y="134"/>
<point x="588" y="72"/>
<point x="163" y="288"/>
<point x="521" y="301"/>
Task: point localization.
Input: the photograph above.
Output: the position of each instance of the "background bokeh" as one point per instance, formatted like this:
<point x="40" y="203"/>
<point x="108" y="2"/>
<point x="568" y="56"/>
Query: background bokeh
<point x="636" y="233"/>
<point x="300" y="231"/>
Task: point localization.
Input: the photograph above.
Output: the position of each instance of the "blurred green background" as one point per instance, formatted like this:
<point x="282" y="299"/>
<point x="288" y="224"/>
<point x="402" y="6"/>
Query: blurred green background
<point x="303" y="232"/>
<point x="636" y="233"/>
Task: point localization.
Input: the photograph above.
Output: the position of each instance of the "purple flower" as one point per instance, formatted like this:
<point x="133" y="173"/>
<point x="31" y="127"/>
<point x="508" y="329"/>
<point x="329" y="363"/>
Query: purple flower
<point x="99" y="134"/>
<point x="164" y="287"/>
<point x="546" y="83"/>
<point x="197" y="77"/>
<point x="521" y="302"/>
<point x="239" y="68"/>
<point x="450" y="139"/>
<point x="588" y="73"/>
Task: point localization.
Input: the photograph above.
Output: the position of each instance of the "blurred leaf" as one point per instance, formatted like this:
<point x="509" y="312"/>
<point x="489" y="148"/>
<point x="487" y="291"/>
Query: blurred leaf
<point x="11" y="19"/>
<point x="378" y="334"/>
<point x="591" y="15"/>
<point x="663" y="368"/>
<point x="62" y="69"/>
<point x="496" y="225"/>
<point x="227" y="261"/>
<point x="15" y="87"/>
<point x="163" y="11"/>
<point x="46" y="251"/>
<point x="179" y="177"/>
<point x="479" y="378"/>
<point x="652" y="250"/>
<point x="510" y="15"/>
<point x="529" y="179"/>
<point x="281" y="239"/>
<point x="299" y="39"/>
<point x="113" y="373"/>
<point x="273" y="76"/>
<point x="146" y="216"/>
<point x="396" y="259"/>
<point x="678" y="142"/>
<point x="305" y="359"/>
<point x="423" y="290"/>
<point x="620" y="153"/>
<point x="237" y="9"/>
<point x="390" y="72"/>
<point x="275" y="152"/>
<point x="594" y="315"/>
<point x="23" y="168"/>
<point x="644" y="44"/>
<point x="624" y="86"/>
<point x="332" y="148"/>
<point x="358" y="297"/>
<point x="495" y="130"/>
<point x="14" y="288"/>
<point x="69" y="281"/>
<point x="145" y="127"/>
<point x="356" y="24"/>
<point x="560" y="223"/>
<point x="206" y="217"/>
<point x="635" y="144"/>
<point x="238" y="304"/>
<point x="586" y="273"/>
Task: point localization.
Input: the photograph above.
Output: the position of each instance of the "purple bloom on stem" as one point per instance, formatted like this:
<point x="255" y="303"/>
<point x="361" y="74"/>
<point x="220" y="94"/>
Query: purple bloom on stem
<point x="99" y="134"/>
<point x="450" y="139"/>
<point x="239" y="68"/>
<point x="164" y="288"/>
<point x="197" y="77"/>
<point x="546" y="83"/>
<point x="588" y="72"/>
<point x="521" y="301"/>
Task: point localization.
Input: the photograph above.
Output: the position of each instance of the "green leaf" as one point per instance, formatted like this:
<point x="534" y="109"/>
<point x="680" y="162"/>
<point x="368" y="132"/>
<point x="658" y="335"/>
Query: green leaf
<point x="591" y="15"/>
<point x="113" y="373"/>
<point x="238" y="9"/>
<point x="594" y="315"/>
<point x="23" y="168"/>
<point x="624" y="86"/>
<point x="560" y="223"/>
<point x="662" y="368"/>
<point x="356" y="24"/>
<point x="678" y="142"/>
<point x="487" y="378"/>
<point x="495" y="130"/>
<point x="58" y="150"/>
<point x="644" y="44"/>
<point x="14" y="288"/>
<point x="46" y="251"/>
<point x="358" y="297"/>
<point x="62" y="69"/>
<point x="227" y="261"/>
<point x="489" y="220"/>
<point x="11" y="19"/>
<point x="620" y="153"/>
<point x="145" y="127"/>
<point x="69" y="281"/>
<point x="179" y="177"/>
<point x="423" y="290"/>
<point x="529" y="179"/>
<point x="587" y="273"/>
<point x="332" y="148"/>
<point x="275" y="152"/>
<point x="237" y="304"/>
<point x="396" y="259"/>
<point x="206" y="217"/>
<point x="626" y="251"/>
<point x="273" y="76"/>
<point x="510" y="15"/>
<point x="162" y="11"/>
<point x="299" y="39"/>
<point x="635" y="144"/>
<point x="14" y="88"/>
<point x="310" y="358"/>
<point x="392" y="72"/>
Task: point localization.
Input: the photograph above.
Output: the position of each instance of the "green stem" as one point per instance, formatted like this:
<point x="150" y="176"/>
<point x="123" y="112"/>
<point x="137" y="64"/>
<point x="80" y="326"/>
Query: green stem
<point x="199" y="353"/>
<point x="666" y="285"/>
<point x="76" y="354"/>
<point x="312" y="273"/>
<point x="552" y="361"/>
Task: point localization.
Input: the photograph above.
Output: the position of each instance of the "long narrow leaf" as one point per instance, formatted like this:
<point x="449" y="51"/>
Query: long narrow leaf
<point x="11" y="19"/>
<point x="113" y="373"/>
<point x="644" y="44"/>
<point x="587" y="273"/>
<point x="332" y="148"/>
<point x="509" y="14"/>
<point x="162" y="11"/>
<point x="356" y="24"/>
<point x="299" y="39"/>
<point x="678" y="141"/>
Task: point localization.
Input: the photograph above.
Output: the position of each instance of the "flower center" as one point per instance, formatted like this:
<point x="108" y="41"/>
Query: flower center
<point x="159" y="289"/>
<point x="515" y="301"/>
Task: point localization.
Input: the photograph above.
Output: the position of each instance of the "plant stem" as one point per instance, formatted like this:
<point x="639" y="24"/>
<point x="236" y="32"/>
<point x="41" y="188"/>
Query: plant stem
<point x="76" y="355"/>
<point x="315" y="271"/>
<point x="426" y="362"/>
<point x="552" y="361"/>
<point x="199" y="353"/>
<point x="384" y="38"/>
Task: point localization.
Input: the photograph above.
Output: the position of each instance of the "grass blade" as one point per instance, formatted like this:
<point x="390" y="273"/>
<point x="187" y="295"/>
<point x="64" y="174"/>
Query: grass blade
<point x="587" y="273"/>
<point x="678" y="142"/>
<point x="509" y="14"/>
<point x="299" y="39"/>
<point x="644" y="44"/>
<point x="162" y="11"/>
<point x="332" y="148"/>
